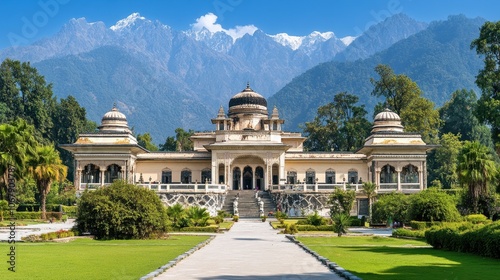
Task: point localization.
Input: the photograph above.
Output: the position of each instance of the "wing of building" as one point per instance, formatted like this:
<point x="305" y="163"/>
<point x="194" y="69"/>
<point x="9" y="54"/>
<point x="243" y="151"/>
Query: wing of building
<point x="248" y="150"/>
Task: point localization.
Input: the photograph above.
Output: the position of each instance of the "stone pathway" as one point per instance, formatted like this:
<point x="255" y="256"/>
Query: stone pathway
<point x="250" y="250"/>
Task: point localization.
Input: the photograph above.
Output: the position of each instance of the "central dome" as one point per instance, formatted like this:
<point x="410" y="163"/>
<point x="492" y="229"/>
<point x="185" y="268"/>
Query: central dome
<point x="247" y="101"/>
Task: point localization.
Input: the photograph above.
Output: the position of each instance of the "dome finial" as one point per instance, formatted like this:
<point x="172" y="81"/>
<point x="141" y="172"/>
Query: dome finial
<point x="248" y="84"/>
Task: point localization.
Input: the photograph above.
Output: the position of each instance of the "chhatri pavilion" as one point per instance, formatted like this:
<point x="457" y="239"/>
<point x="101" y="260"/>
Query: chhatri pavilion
<point x="248" y="150"/>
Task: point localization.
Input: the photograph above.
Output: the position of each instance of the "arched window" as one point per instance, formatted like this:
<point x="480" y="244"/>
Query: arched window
<point x="221" y="126"/>
<point x="113" y="172"/>
<point x="330" y="176"/>
<point x="388" y="174"/>
<point x="90" y="174"/>
<point x="166" y="176"/>
<point x="352" y="177"/>
<point x="206" y="175"/>
<point x="409" y="174"/>
<point x="291" y="177"/>
<point x="186" y="176"/>
<point x="275" y="126"/>
<point x="310" y="176"/>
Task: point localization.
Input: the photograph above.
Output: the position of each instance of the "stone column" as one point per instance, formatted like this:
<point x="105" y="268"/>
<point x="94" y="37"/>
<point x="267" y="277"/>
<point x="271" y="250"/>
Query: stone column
<point x="398" y="171"/>
<point x="101" y="180"/>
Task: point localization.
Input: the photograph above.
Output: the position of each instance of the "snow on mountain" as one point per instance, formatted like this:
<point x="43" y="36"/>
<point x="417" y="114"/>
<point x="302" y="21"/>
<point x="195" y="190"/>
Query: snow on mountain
<point x="127" y="22"/>
<point x="286" y="40"/>
<point x="302" y="42"/>
<point x="347" y="40"/>
<point x="209" y="22"/>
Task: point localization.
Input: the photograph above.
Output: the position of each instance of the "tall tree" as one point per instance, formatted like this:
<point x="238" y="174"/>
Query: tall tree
<point x="17" y="145"/>
<point x="476" y="169"/>
<point x="28" y="96"/>
<point x="370" y="189"/>
<point x="338" y="125"/>
<point x="169" y="145"/>
<point x="488" y="79"/>
<point x="404" y="97"/>
<point x="146" y="141"/>
<point x="184" y="142"/>
<point x="445" y="160"/>
<point x="46" y="167"/>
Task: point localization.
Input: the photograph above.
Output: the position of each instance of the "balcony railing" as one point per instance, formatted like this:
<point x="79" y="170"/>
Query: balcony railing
<point x="383" y="188"/>
<point x="172" y="188"/>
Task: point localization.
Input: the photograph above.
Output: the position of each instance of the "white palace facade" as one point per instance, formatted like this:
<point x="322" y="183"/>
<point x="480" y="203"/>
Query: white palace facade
<point x="249" y="150"/>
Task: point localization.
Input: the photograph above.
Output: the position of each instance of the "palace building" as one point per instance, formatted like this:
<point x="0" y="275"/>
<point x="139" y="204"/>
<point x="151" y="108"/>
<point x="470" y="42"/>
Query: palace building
<point x="248" y="150"/>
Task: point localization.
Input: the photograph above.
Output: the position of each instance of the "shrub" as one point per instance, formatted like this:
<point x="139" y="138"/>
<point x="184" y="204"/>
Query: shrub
<point x="218" y="219"/>
<point x="341" y="222"/>
<point x="121" y="211"/>
<point x="198" y="216"/>
<point x="393" y="205"/>
<point x="199" y="229"/>
<point x="280" y="215"/>
<point x="477" y="219"/>
<point x="177" y="216"/>
<point x="315" y="228"/>
<point x="315" y="219"/>
<point x="432" y="205"/>
<point x="355" y="222"/>
<point x="402" y="232"/>
<point x="236" y="218"/>
<point x="70" y="211"/>
<point x="418" y="225"/>
<point x="290" y="229"/>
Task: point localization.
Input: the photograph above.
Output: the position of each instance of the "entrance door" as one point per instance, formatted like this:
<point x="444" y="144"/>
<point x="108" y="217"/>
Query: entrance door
<point x="247" y="178"/>
<point x="259" y="178"/>
<point x="236" y="178"/>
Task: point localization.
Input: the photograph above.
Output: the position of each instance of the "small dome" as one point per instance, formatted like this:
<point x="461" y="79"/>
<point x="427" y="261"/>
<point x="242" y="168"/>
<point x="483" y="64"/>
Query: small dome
<point x="114" y="120"/>
<point x="248" y="101"/>
<point x="387" y="121"/>
<point x="387" y="115"/>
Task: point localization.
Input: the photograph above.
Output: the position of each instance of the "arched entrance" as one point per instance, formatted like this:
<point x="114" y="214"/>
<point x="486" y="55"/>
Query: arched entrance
<point x="247" y="178"/>
<point x="259" y="178"/>
<point x="236" y="178"/>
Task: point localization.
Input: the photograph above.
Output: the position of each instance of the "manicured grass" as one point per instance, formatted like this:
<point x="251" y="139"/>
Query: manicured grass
<point x="390" y="258"/>
<point x="91" y="259"/>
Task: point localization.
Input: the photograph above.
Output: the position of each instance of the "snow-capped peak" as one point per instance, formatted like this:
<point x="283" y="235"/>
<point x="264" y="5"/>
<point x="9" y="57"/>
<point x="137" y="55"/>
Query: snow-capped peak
<point x="128" y="21"/>
<point x="286" y="40"/>
<point x="347" y="40"/>
<point x="325" y="35"/>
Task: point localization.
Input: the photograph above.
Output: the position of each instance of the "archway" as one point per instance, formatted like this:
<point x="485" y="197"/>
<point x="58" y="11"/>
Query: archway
<point x="259" y="178"/>
<point x="236" y="178"/>
<point x="247" y="178"/>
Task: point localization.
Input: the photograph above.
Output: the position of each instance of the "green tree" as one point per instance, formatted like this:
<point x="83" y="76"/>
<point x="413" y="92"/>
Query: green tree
<point x="146" y="141"/>
<point x="476" y="170"/>
<point x="169" y="145"/>
<point x="433" y="205"/>
<point x="339" y="125"/>
<point x="177" y="216"/>
<point x="488" y="79"/>
<point x="404" y="97"/>
<point x="370" y="189"/>
<point x="184" y="142"/>
<point x="445" y="160"/>
<point x="17" y="145"/>
<point x="391" y="206"/>
<point x="28" y="96"/>
<point x="341" y="203"/>
<point x="121" y="211"/>
<point x="46" y="167"/>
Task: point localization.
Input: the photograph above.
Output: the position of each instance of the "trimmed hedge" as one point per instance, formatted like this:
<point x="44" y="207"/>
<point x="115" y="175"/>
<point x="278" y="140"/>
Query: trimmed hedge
<point x="200" y="229"/>
<point x="70" y="211"/>
<point x="418" y="225"/>
<point x="402" y="232"/>
<point x="483" y="240"/>
<point x="36" y="208"/>
<point x="315" y="228"/>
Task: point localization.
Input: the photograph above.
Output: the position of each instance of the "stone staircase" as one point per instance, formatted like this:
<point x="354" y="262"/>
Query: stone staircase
<point x="247" y="203"/>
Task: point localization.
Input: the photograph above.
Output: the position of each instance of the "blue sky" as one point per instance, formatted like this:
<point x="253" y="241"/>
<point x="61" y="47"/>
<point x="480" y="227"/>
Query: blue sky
<point x="25" y="21"/>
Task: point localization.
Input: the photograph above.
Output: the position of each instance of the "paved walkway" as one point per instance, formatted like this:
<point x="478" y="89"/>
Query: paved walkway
<point x="250" y="250"/>
<point x="22" y="231"/>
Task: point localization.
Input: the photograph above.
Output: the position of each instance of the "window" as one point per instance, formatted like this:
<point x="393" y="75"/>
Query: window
<point x="186" y="176"/>
<point x="166" y="176"/>
<point x="113" y="172"/>
<point x="409" y="174"/>
<point x="291" y="177"/>
<point x="221" y="126"/>
<point x="388" y="174"/>
<point x="275" y="126"/>
<point x="310" y="176"/>
<point x="352" y="177"/>
<point x="206" y="175"/>
<point x="330" y="176"/>
<point x="90" y="174"/>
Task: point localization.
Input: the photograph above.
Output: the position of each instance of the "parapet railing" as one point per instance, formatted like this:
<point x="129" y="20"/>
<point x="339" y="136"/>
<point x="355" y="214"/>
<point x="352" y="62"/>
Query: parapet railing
<point x="176" y="187"/>
<point x="383" y="188"/>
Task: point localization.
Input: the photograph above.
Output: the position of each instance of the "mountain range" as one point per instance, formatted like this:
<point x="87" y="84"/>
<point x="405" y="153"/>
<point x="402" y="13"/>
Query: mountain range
<point x="163" y="78"/>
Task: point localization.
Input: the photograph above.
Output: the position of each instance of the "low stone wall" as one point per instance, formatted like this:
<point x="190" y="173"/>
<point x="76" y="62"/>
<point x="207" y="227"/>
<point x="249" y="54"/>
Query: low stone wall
<point x="301" y="204"/>
<point x="213" y="202"/>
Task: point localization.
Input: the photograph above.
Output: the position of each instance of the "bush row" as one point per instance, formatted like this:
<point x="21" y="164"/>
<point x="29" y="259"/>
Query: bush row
<point x="402" y="232"/>
<point x="36" y="208"/>
<point x="478" y="239"/>
<point x="49" y="236"/>
<point x="69" y="210"/>
<point x="32" y="215"/>
<point x="315" y="228"/>
<point x="200" y="229"/>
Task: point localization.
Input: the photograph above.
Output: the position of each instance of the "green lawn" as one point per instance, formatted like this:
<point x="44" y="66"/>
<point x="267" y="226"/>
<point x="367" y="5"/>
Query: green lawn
<point x="91" y="259"/>
<point x="390" y="258"/>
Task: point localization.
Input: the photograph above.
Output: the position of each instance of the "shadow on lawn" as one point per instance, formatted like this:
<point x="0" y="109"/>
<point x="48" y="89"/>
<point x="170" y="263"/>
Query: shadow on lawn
<point x="466" y="266"/>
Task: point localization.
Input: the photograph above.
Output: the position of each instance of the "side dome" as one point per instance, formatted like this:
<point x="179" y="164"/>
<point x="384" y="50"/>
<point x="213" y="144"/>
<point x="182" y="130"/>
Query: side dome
<point x="387" y="121"/>
<point x="247" y="101"/>
<point x="115" y="121"/>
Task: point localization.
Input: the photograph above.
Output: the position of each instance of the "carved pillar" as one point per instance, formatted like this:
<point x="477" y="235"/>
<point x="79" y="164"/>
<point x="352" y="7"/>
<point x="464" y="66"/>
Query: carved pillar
<point x="398" y="171"/>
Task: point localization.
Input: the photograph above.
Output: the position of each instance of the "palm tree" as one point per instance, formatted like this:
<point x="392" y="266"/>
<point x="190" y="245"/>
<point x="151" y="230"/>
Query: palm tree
<point x="176" y="214"/>
<point x="198" y="215"/>
<point x="475" y="169"/>
<point x="370" y="189"/>
<point x="17" y="145"/>
<point x="45" y="168"/>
